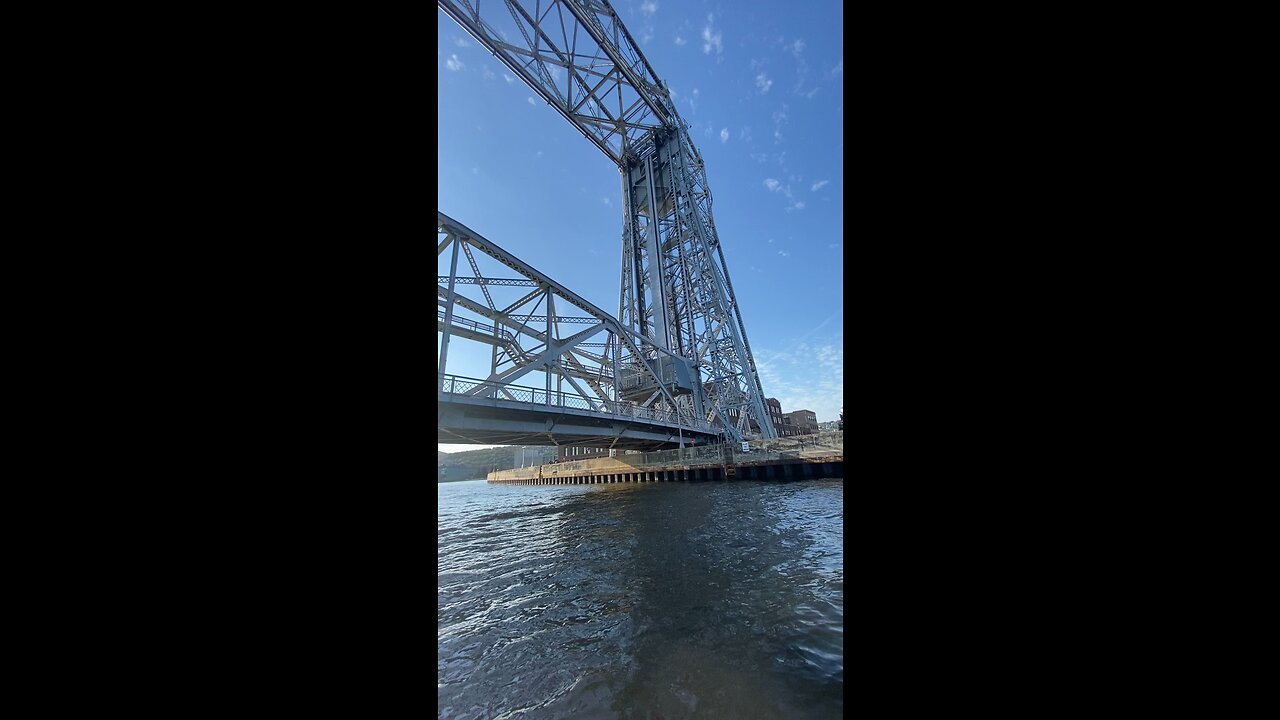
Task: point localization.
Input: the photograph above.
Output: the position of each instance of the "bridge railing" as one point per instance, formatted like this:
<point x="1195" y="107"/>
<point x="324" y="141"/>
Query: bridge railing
<point x="540" y="397"/>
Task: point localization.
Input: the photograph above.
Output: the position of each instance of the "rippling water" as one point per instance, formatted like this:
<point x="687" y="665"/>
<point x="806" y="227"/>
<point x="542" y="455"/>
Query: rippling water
<point x="663" y="600"/>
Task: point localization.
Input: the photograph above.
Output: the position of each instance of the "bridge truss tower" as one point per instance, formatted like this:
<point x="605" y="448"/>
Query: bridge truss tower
<point x="675" y="290"/>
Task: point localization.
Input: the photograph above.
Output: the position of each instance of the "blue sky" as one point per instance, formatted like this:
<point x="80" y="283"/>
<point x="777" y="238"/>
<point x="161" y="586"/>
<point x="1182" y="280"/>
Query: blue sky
<point x="761" y="86"/>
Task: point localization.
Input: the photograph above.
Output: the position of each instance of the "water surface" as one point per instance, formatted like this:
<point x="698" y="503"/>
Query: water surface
<point x="658" y="600"/>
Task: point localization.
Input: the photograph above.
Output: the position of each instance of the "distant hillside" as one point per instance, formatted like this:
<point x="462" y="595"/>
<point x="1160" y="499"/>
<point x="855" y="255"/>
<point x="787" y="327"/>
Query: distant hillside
<point x="473" y="464"/>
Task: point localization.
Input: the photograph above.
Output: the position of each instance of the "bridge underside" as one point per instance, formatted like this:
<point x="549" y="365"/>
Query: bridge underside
<point x="481" y="421"/>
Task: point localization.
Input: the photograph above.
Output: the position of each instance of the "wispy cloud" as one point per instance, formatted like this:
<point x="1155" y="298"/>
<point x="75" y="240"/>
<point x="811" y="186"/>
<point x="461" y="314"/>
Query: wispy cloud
<point x="802" y="67"/>
<point x="508" y="78"/>
<point x="453" y="63"/>
<point x="806" y="375"/>
<point x="797" y="205"/>
<point x="763" y="82"/>
<point x="461" y="42"/>
<point x="606" y="201"/>
<point x="838" y="68"/>
<point x="784" y="253"/>
<point x="771" y="184"/>
<point x="487" y="73"/>
<point x="724" y="135"/>
<point x="819" y="185"/>
<point x="711" y="38"/>
<point x="779" y="119"/>
<point x="649" y="7"/>
<point x="532" y="102"/>
<point x="680" y="40"/>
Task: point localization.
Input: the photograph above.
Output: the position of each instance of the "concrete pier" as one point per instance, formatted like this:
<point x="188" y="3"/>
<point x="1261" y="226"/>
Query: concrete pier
<point x="783" y="459"/>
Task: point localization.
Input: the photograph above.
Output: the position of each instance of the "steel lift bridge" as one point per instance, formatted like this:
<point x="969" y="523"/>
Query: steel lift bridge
<point x="675" y="364"/>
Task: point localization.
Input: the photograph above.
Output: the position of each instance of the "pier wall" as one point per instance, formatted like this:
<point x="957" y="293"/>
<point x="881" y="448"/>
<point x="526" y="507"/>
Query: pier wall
<point x="804" y="456"/>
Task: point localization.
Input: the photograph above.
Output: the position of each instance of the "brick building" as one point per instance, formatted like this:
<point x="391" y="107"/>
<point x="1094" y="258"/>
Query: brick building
<point x="804" y="421"/>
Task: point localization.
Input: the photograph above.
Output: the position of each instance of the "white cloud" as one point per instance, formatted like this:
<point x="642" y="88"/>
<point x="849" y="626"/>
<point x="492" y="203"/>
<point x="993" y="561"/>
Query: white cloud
<point x="681" y="41"/>
<point x="771" y="184"/>
<point x="763" y="82"/>
<point x="532" y="103"/>
<point x="819" y="185"/>
<point x="454" y="63"/>
<point x="461" y="42"/>
<point x="605" y="200"/>
<point x="797" y="47"/>
<point x="711" y="38"/>
<point x="838" y="68"/>
<point x="784" y="253"/>
<point x="649" y="7"/>
<point x="508" y="78"/>
<point x="804" y="376"/>
<point x="724" y="135"/>
<point x="770" y="241"/>
<point x="779" y="119"/>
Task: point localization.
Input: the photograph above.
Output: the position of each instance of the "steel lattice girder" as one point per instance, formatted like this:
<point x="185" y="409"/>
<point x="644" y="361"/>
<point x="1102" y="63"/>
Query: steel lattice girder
<point x="565" y="359"/>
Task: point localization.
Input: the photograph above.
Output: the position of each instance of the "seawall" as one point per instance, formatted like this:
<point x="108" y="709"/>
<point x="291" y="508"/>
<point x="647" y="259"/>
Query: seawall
<point x="793" y="458"/>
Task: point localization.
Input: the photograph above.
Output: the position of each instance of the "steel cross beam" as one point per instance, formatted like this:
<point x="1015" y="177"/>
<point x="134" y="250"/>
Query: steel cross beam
<point x="675" y="289"/>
